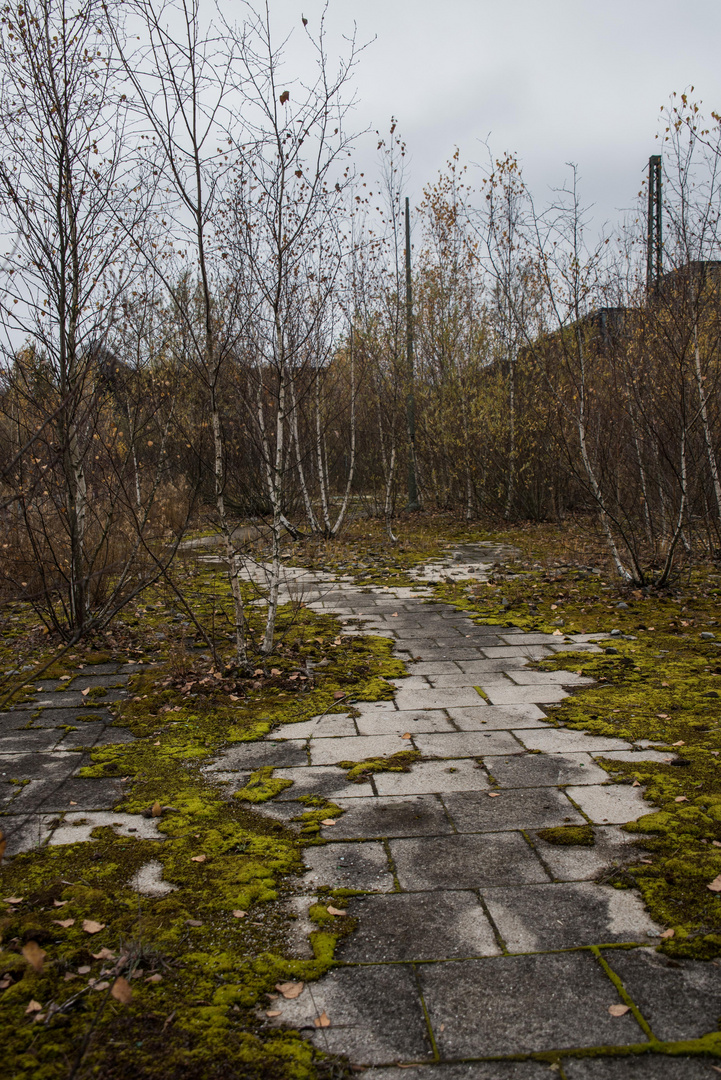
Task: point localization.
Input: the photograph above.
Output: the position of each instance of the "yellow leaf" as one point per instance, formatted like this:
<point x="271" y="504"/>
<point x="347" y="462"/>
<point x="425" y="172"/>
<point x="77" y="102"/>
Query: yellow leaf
<point x="322" y="1021"/>
<point x="92" y="927"/>
<point x="290" y="990"/>
<point x="34" y="955"/>
<point x="122" y="990"/>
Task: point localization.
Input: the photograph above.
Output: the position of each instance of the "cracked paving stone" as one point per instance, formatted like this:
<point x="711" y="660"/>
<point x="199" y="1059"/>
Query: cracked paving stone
<point x="514" y="808"/>
<point x="402" y="815"/>
<point x="375" y="1013"/>
<point x="680" y="999"/>
<point x="358" y="748"/>
<point x="496" y="717"/>
<point x="554" y="1001"/>
<point x="327" y="781"/>
<point x="413" y="722"/>
<point x="250" y="756"/>
<point x="615" y="804"/>
<point x="318" y="727"/>
<point x="438" y="699"/>
<point x="555" y="740"/>
<point x="579" y="863"/>
<point x="87" y="794"/>
<point x="465" y="862"/>
<point x="400" y="926"/>
<point x="349" y="866"/>
<point x="507" y="694"/>
<point x="564" y="916"/>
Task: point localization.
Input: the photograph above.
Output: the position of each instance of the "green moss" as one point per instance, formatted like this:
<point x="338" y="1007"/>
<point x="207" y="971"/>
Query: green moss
<point x="359" y="771"/>
<point x="580" y="835"/>
<point x="262" y="786"/>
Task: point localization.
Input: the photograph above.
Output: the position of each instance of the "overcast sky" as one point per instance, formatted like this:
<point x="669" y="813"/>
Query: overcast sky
<point x="552" y="80"/>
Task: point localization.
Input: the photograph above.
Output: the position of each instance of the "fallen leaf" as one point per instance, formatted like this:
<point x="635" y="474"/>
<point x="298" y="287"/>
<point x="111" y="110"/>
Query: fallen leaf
<point x="665" y="684"/>
<point x="273" y="1012"/>
<point x="104" y="954"/>
<point x="716" y="843"/>
<point x="4" y="983"/>
<point x="494" y="794"/>
<point x="193" y="922"/>
<point x="285" y="96"/>
<point x="662" y="715"/>
<point x="156" y="810"/>
<point x="156" y="978"/>
<point x="69" y="975"/>
<point x="92" y="927"/>
<point x="198" y="858"/>
<point x="13" y="899"/>
<point x="442" y="1027"/>
<point x="233" y="697"/>
<point x="681" y="798"/>
<point x="34" y="1006"/>
<point x="558" y="633"/>
<point x="34" y="955"/>
<point x="636" y="784"/>
<point x="290" y="990"/>
<point x="329" y="821"/>
<point x="338" y="695"/>
<point x="65" y="923"/>
<point x="60" y="903"/>
<point x="679" y="743"/>
<point x="618" y="1010"/>
<point x="394" y="615"/>
<point x="715" y="885"/>
<point x="100" y="986"/>
<point x="667" y="934"/>
<point x="322" y="1021"/>
<point x="84" y="969"/>
<point x="122" y="991"/>
<point x="407" y="735"/>
<point x="335" y="911"/>
<point x="275" y="671"/>
<point x="238" y="914"/>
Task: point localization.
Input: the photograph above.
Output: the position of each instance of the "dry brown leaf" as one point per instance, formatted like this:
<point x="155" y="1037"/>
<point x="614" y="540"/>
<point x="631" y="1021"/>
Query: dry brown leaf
<point x="275" y="671"/>
<point x="238" y="914"/>
<point x="668" y="934"/>
<point x="122" y="991"/>
<point x="198" y="858"/>
<point x="99" y="985"/>
<point x="86" y="691"/>
<point x="338" y="695"/>
<point x="34" y="1006"/>
<point x="104" y="954"/>
<point x="665" y="684"/>
<point x="558" y="633"/>
<point x="636" y="784"/>
<point x="90" y="926"/>
<point x="193" y="922"/>
<point x="716" y="843"/>
<point x="273" y="1012"/>
<point x="715" y="885"/>
<point x="34" y="955"/>
<point x="154" y="978"/>
<point x="60" y="903"/>
<point x="618" y="1010"/>
<point x="494" y="794"/>
<point x="681" y="798"/>
<point x="290" y="990"/>
<point x="4" y="983"/>
<point x="13" y="899"/>
<point x="65" y="923"/>
<point x="156" y="809"/>
<point x="329" y="821"/>
<point x="84" y="969"/>
<point x="335" y="911"/>
<point x="679" y="743"/>
<point x="406" y="735"/>
<point x="322" y="1021"/>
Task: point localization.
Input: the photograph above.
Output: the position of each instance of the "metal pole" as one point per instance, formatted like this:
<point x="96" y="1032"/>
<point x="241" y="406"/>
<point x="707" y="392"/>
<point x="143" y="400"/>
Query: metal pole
<point x="411" y="401"/>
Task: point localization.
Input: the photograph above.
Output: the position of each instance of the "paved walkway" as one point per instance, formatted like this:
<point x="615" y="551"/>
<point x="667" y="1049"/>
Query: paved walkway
<point x="477" y="940"/>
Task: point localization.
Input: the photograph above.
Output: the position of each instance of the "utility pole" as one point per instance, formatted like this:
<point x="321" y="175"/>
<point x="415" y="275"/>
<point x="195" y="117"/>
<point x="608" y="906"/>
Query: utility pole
<point x="654" y="244"/>
<point x="411" y="400"/>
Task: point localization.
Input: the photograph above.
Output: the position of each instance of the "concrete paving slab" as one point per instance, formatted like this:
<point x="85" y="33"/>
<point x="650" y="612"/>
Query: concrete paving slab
<point x="612" y="848"/>
<point x="458" y="678"/>
<point x="48" y="797"/>
<point x="247" y="757"/>
<point x="545" y="770"/>
<point x="398" y="723"/>
<point x="560" y="740"/>
<point x="443" y="925"/>
<point x="680" y="999"/>
<point x="358" y="748"/>
<point x="465" y="862"/>
<point x="375" y="1014"/>
<point x="429" y="777"/>
<point x="475" y="1070"/>
<point x="77" y="827"/>
<point x="615" y="804"/>
<point x="527" y="652"/>
<point x="348" y="866"/>
<point x="505" y="694"/>
<point x="398" y="815"/>
<point x="517" y="808"/>
<point x="26" y="833"/>
<point x="53" y="765"/>
<point x="438" y="667"/>
<point x="498" y="716"/>
<point x="318" y="727"/>
<point x="486" y="666"/>
<point x="636" y="756"/>
<point x="21" y="742"/>
<point x="532" y="1003"/>
<point x="640" y="1067"/>
<point x="544" y="678"/>
<point x="460" y="744"/>
<point x="328" y="781"/>
<point x="453" y="696"/>
<point x="565" y="916"/>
